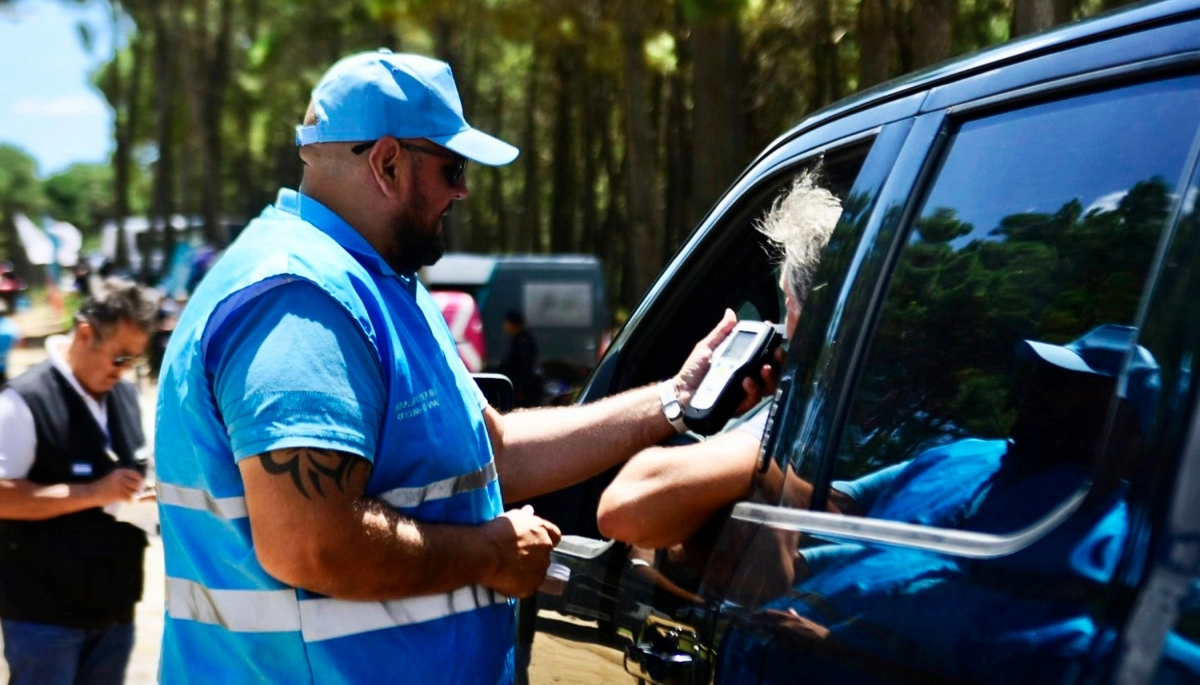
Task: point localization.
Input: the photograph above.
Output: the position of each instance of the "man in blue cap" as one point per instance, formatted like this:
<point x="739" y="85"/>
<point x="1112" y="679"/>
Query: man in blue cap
<point x="331" y="481"/>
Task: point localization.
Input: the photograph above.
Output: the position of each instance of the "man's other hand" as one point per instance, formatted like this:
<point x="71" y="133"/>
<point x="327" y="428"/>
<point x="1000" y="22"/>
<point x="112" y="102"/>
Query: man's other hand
<point x="122" y="485"/>
<point x="523" y="543"/>
<point x="758" y="388"/>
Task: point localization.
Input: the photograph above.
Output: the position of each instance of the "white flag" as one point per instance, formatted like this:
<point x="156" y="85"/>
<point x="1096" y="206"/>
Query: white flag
<point x="38" y="246"/>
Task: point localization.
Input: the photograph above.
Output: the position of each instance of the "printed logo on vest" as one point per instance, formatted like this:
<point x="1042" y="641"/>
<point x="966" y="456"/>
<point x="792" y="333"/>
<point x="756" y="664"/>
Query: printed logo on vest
<point x="416" y="406"/>
<point x="81" y="469"/>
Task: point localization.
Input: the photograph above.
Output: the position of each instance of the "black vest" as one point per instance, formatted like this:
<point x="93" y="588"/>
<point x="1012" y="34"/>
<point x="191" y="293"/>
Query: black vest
<point x="81" y="570"/>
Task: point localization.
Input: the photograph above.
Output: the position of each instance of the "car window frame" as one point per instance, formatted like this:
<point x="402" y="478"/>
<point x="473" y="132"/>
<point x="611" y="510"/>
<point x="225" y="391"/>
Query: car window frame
<point x="1172" y="565"/>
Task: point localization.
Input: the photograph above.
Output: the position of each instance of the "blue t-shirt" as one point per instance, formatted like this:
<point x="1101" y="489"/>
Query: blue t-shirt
<point x="267" y="399"/>
<point x="302" y="336"/>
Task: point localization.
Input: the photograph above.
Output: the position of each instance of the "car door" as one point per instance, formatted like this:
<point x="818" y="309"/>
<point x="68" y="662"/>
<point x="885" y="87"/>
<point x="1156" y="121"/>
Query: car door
<point x="1160" y="641"/>
<point x="944" y="497"/>
<point x="602" y="595"/>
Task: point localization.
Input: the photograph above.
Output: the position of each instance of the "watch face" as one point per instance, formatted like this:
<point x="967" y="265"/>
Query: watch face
<point x="673" y="410"/>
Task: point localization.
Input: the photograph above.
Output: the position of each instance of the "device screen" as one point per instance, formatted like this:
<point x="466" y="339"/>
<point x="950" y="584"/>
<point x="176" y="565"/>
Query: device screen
<point x="739" y="344"/>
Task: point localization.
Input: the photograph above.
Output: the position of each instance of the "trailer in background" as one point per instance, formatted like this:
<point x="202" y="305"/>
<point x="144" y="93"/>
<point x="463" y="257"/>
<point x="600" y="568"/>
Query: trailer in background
<point x="561" y="297"/>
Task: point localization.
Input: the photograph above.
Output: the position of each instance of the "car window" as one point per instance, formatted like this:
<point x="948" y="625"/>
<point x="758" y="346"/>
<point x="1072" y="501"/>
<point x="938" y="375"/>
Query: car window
<point x="1040" y="224"/>
<point x="1003" y="384"/>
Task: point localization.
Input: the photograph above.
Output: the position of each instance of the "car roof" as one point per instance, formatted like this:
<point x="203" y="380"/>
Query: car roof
<point x="476" y="269"/>
<point x="1109" y="24"/>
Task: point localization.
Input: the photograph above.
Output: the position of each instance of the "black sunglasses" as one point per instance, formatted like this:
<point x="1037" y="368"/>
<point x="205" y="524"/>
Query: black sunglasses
<point x="454" y="172"/>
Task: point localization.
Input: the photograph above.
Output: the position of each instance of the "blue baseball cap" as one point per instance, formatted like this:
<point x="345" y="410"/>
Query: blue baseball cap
<point x="1102" y="351"/>
<point x="374" y="94"/>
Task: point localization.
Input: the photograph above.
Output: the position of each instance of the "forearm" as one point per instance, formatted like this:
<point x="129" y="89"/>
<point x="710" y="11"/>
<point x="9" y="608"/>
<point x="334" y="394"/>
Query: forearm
<point x="22" y="499"/>
<point x="543" y="450"/>
<point x="314" y="528"/>
<point x="375" y="554"/>
<point x="664" y="494"/>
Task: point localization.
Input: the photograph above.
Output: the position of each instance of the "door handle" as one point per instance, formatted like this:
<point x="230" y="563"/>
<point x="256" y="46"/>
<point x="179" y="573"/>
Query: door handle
<point x="668" y="653"/>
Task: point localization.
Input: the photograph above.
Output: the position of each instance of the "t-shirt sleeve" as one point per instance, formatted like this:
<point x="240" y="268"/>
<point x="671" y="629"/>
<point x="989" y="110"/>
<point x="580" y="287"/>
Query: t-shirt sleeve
<point x="865" y="491"/>
<point x="292" y="369"/>
<point x="754" y="422"/>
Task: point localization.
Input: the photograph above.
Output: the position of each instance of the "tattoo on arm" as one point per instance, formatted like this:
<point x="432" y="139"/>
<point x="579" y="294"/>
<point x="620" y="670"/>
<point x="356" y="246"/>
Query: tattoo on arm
<point x="315" y="464"/>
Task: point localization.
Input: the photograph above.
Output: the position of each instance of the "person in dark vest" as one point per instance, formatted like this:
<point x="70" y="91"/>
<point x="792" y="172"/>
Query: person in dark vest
<point x="72" y="452"/>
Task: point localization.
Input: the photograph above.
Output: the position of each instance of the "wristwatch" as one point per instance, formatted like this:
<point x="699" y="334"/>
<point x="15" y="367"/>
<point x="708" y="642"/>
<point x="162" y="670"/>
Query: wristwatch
<point x="671" y="407"/>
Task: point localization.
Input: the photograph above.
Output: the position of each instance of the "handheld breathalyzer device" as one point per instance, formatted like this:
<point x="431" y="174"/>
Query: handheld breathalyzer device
<point x="739" y="356"/>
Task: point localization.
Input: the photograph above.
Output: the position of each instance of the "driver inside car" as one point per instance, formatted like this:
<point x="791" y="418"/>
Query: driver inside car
<point x="663" y="495"/>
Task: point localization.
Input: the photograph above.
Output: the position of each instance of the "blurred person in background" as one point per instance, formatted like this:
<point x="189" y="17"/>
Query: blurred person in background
<point x="520" y="362"/>
<point x="9" y="337"/>
<point x="70" y="573"/>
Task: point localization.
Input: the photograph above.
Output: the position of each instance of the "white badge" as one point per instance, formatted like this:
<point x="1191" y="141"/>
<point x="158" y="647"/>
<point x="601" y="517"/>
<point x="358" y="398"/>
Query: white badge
<point x="81" y="469"/>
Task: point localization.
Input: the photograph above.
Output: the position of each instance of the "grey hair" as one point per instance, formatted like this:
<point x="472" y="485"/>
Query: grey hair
<point x="120" y="299"/>
<point x="798" y="226"/>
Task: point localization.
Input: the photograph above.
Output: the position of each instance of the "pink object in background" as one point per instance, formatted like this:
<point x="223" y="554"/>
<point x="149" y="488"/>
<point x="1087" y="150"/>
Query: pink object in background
<point x="462" y="316"/>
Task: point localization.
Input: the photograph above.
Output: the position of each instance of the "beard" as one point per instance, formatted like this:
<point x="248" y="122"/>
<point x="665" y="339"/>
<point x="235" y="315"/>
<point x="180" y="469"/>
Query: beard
<point x="416" y="241"/>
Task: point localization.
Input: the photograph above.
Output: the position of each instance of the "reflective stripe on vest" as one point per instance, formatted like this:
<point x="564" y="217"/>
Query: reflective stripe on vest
<point x="413" y="497"/>
<point x="235" y="507"/>
<point x="242" y="611"/>
<point x="326" y="619"/>
<point x="260" y="611"/>
<point x="193" y="498"/>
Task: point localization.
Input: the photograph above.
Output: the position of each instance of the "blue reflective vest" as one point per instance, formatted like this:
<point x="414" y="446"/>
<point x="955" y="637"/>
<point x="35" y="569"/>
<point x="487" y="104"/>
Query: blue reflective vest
<point x="227" y="620"/>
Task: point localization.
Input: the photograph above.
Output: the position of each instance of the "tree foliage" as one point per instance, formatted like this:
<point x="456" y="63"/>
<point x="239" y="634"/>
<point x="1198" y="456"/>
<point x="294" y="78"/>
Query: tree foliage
<point x="20" y="192"/>
<point x="633" y="115"/>
<point x="81" y="195"/>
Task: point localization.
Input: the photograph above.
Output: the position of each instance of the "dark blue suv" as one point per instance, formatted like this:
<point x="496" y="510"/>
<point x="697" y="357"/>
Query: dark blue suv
<point x="1003" y="338"/>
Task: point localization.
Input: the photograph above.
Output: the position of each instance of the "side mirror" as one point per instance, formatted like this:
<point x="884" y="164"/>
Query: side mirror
<point x="497" y="388"/>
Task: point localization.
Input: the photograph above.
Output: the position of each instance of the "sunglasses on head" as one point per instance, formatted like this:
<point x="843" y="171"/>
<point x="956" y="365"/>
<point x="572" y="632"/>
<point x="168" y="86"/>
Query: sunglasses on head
<point x="454" y="172"/>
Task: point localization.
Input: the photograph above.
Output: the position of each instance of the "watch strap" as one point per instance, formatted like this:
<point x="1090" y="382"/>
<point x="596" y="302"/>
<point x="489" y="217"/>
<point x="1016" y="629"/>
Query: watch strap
<point x="672" y="409"/>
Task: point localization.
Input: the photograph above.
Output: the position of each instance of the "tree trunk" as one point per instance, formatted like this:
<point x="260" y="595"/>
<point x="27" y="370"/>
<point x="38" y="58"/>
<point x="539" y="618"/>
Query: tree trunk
<point x="205" y="65"/>
<point x="875" y="42"/>
<point x="216" y="79"/>
<point x="246" y="169"/>
<point x="595" y="104"/>
<point x="678" y="214"/>
<point x="164" y="81"/>
<point x="562" y="201"/>
<point x="825" y="57"/>
<point x="1031" y="16"/>
<point x="718" y="115"/>
<point x="933" y="31"/>
<point x="121" y="133"/>
<point x="644" y="237"/>
<point x="614" y="241"/>
<point x="527" y="237"/>
<point x="446" y="47"/>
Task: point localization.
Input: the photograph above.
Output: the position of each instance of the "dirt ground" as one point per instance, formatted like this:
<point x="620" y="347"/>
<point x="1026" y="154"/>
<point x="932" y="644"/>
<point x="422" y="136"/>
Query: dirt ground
<point x="563" y="657"/>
